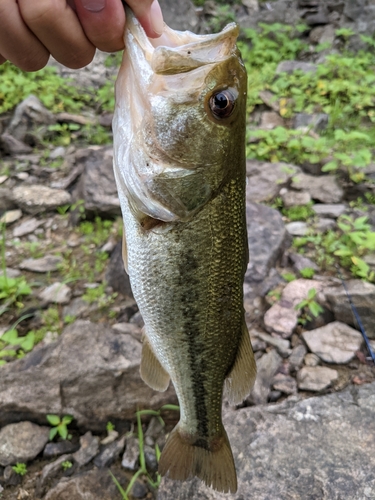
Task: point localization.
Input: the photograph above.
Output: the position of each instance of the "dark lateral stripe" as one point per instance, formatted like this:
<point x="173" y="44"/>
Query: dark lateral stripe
<point x="190" y="302"/>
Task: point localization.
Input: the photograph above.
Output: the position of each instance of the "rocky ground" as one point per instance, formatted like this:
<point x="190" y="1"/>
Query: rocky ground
<point x="70" y="330"/>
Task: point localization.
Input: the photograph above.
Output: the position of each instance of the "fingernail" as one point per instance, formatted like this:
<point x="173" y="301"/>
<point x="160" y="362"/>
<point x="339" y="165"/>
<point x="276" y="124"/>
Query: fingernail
<point x="156" y="18"/>
<point x="93" y="5"/>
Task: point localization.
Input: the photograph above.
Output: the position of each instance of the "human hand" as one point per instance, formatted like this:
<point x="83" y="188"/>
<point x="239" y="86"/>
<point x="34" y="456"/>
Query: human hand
<point x="69" y="30"/>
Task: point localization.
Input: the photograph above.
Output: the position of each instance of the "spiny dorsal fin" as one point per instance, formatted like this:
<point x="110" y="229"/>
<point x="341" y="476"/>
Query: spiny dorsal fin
<point x="241" y="378"/>
<point x="151" y="370"/>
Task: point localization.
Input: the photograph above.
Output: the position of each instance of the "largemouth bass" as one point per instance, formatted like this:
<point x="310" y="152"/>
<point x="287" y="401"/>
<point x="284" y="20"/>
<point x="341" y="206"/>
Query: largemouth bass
<point x="179" y="160"/>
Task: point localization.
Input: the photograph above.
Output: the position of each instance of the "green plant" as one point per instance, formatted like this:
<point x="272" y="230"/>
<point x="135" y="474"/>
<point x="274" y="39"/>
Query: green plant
<point x="298" y="212"/>
<point x="60" y="426"/>
<point x="289" y="277"/>
<point x="307" y="272"/>
<point x="20" y="468"/>
<point x="311" y="305"/>
<point x="142" y="460"/>
<point x="110" y="427"/>
<point x="66" y="465"/>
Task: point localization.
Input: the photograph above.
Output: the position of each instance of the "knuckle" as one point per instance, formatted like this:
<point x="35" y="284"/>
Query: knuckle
<point x="39" y="13"/>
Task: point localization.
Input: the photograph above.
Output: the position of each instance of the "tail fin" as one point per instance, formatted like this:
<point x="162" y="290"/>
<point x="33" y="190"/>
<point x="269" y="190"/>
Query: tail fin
<point x="213" y="464"/>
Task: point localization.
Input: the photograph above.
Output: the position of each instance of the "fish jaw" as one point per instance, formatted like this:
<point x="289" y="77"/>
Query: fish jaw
<point x="168" y="170"/>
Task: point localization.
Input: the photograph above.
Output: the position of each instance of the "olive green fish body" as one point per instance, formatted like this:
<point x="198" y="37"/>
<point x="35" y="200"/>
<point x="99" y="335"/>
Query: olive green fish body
<point x="179" y="135"/>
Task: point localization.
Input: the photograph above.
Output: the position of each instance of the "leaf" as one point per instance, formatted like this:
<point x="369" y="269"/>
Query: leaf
<point x="315" y="308"/>
<point x="311" y="293"/>
<point x="11" y="337"/>
<point x="52" y="433"/>
<point x="67" y="419"/>
<point x="27" y="343"/>
<point x="62" y="430"/>
<point x="330" y="166"/>
<point x="53" y="419"/>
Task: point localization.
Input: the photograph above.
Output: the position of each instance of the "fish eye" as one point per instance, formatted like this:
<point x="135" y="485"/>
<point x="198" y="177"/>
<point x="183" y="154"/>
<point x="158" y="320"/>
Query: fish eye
<point x="222" y="103"/>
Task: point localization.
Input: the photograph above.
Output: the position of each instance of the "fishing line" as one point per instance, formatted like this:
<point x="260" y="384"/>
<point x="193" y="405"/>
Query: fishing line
<point x="357" y="316"/>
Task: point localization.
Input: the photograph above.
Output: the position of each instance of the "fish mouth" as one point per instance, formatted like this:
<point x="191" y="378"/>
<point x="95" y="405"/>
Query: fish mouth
<point x="181" y="51"/>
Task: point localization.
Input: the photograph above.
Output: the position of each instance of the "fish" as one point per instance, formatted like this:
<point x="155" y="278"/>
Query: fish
<point x="179" y="162"/>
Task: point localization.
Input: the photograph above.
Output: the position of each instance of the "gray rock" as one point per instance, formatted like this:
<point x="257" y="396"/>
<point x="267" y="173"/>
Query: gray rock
<point x="329" y="433"/>
<point x="29" y="114"/>
<point x="282" y="317"/>
<point x="54" y="379"/>
<point x="53" y="449"/>
<point x="112" y="435"/>
<point x="363" y="296"/>
<point x="329" y="210"/>
<point x="270" y="120"/>
<point x="282" y="345"/>
<point x="266" y="179"/>
<point x="311" y="359"/>
<point x="317" y="122"/>
<point x="97" y="183"/>
<point x="296" y="357"/>
<point x="291" y="66"/>
<point x="315" y="378"/>
<point x="110" y="453"/>
<point x="11" y="273"/>
<point x="90" y="485"/>
<point x="267" y="366"/>
<point x="57" y="293"/>
<point x="139" y="489"/>
<point x="334" y="343"/>
<point x="297" y="228"/>
<point x="323" y="188"/>
<point x="116" y="276"/>
<point x="324" y="224"/>
<point x="77" y="308"/>
<point x="130" y="457"/>
<point x="35" y="198"/>
<point x="10" y="217"/>
<point x="46" y="264"/>
<point x="270" y="100"/>
<point x="12" y="146"/>
<point x="179" y="14"/>
<point x="88" y="450"/>
<point x="21" y="442"/>
<point x="300" y="262"/>
<point x="267" y="240"/>
<point x="295" y="198"/>
<point x="150" y="458"/>
<point x="6" y="200"/>
<point x="51" y="471"/>
<point x="26" y="227"/>
<point x="284" y="383"/>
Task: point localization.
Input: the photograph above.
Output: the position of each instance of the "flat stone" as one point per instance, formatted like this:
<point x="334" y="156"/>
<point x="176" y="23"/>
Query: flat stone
<point x="130" y="458"/>
<point x="10" y="217"/>
<point x="267" y="240"/>
<point x="110" y="453"/>
<point x="266" y="179"/>
<point x="12" y="146"/>
<point x="3" y="178"/>
<point x="297" y="355"/>
<point x="282" y="345"/>
<point x="52" y="470"/>
<point x="90" y="485"/>
<point x="329" y="210"/>
<point x="300" y="262"/>
<point x="307" y="445"/>
<point x="295" y="198"/>
<point x="46" y="264"/>
<point x="323" y="224"/>
<point x="270" y="99"/>
<point x="57" y="293"/>
<point x="26" y="227"/>
<point x="36" y="198"/>
<point x="21" y="442"/>
<point x="297" y="228"/>
<point x="323" y="188"/>
<point x="88" y="450"/>
<point x="54" y="379"/>
<point x="10" y="272"/>
<point x="53" y="449"/>
<point x="291" y="66"/>
<point x="284" y="383"/>
<point x="363" y="297"/>
<point x="315" y="378"/>
<point x="28" y="115"/>
<point x="317" y="121"/>
<point x="311" y="359"/>
<point x="270" y="120"/>
<point x="334" y="343"/>
<point x="267" y="366"/>
<point x="282" y="317"/>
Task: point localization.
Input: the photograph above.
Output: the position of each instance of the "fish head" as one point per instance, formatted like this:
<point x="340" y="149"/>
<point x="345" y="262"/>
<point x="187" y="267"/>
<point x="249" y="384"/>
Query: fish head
<point x="179" y="123"/>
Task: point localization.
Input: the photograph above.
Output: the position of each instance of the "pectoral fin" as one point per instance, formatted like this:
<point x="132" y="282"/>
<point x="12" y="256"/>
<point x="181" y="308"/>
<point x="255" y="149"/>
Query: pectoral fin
<point x="241" y="378"/>
<point x="151" y="370"/>
<point x="125" y="252"/>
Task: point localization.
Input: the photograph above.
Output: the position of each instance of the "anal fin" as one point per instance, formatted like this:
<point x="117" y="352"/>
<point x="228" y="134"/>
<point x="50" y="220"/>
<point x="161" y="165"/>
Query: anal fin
<point x="241" y="378"/>
<point x="151" y="369"/>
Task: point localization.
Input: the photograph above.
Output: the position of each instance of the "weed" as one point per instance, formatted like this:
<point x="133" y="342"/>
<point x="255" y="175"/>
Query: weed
<point x="66" y="465"/>
<point x="309" y="304"/>
<point x="288" y="277"/>
<point x="60" y="426"/>
<point x="110" y="427"/>
<point x="307" y="272"/>
<point x="98" y="295"/>
<point x="299" y="212"/>
<point x="20" y="468"/>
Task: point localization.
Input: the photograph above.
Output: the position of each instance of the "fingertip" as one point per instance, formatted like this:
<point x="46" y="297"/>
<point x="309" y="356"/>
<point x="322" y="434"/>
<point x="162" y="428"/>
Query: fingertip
<point x="151" y="18"/>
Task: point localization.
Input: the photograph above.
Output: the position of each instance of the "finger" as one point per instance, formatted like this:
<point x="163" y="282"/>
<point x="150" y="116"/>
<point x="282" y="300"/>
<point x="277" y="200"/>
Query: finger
<point x="56" y="25"/>
<point x="150" y="16"/>
<point x="17" y="42"/>
<point x="103" y="21"/>
<point x="2" y="59"/>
